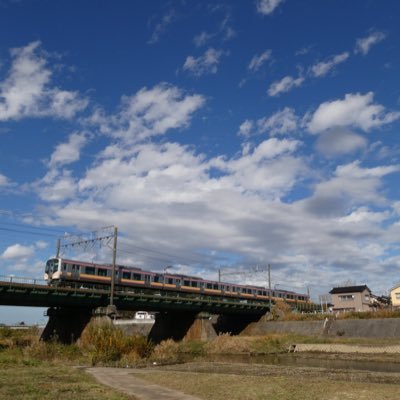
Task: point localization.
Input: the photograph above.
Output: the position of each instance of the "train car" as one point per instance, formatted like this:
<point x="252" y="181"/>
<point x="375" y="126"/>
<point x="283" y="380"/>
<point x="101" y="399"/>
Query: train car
<point x="65" y="272"/>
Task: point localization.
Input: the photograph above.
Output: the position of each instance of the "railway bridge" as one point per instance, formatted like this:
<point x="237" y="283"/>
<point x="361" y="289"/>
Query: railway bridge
<point x="177" y="314"/>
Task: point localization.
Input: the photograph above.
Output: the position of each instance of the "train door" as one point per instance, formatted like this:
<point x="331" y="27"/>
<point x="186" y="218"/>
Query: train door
<point x="147" y="280"/>
<point x="75" y="271"/>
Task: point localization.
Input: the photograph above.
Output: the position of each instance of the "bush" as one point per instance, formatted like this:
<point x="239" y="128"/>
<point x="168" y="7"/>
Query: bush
<point x="166" y="351"/>
<point x="105" y="343"/>
<point x="226" y="344"/>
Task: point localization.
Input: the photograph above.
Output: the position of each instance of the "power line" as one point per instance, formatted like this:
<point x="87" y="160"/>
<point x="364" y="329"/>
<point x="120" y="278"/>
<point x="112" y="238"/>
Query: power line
<point x="27" y="232"/>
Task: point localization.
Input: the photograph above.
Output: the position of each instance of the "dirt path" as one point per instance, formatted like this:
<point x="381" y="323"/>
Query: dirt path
<point x="125" y="381"/>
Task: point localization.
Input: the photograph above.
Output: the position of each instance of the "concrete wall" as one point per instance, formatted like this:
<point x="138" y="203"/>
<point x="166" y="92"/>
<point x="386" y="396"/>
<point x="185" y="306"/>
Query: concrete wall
<point x="368" y="328"/>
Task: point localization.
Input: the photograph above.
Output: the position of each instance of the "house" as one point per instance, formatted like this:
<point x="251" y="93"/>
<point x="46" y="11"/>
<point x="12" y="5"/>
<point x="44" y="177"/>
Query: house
<point x="395" y="296"/>
<point x="351" y="298"/>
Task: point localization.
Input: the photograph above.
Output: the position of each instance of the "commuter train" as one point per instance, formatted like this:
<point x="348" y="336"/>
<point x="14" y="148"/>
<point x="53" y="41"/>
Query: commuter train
<point x="65" y="272"/>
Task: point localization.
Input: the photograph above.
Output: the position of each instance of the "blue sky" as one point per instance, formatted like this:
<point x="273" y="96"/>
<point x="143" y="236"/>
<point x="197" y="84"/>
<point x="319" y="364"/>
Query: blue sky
<point x="234" y="134"/>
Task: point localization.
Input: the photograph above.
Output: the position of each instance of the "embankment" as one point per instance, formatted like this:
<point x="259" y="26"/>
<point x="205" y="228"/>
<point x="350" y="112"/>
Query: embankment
<point x="362" y="328"/>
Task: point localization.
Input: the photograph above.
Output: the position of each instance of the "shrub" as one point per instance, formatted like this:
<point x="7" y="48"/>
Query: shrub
<point x="105" y="343"/>
<point x="166" y="351"/>
<point x="226" y="344"/>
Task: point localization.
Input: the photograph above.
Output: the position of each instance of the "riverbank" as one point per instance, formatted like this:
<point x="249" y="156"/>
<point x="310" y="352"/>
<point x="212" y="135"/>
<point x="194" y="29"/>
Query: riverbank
<point x="239" y="381"/>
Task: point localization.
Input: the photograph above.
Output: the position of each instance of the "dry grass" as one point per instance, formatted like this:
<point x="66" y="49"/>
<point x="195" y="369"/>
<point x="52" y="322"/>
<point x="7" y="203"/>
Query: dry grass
<point x="104" y="343"/>
<point x="43" y="381"/>
<point x="238" y="386"/>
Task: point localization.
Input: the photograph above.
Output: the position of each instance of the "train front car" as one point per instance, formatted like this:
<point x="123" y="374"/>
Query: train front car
<point x="52" y="271"/>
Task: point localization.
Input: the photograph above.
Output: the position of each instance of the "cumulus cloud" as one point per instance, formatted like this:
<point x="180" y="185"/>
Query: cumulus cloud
<point x="205" y="64"/>
<point x="17" y="251"/>
<point x="350" y="186"/>
<point x="66" y="153"/>
<point x="246" y="128"/>
<point x="364" y="45"/>
<point x="324" y="67"/>
<point x="148" y="113"/>
<point x="338" y="141"/>
<point x="258" y="60"/>
<point x="355" y="110"/>
<point x="284" y="85"/>
<point x="281" y="122"/>
<point x="4" y="181"/>
<point x="27" y="90"/>
<point x="267" y="7"/>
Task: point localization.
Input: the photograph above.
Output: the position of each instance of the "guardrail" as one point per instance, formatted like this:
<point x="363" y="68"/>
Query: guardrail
<point x="18" y="279"/>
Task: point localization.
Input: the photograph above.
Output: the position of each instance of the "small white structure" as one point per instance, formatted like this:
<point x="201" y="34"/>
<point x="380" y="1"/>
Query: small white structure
<point x="144" y="315"/>
<point x="141" y="317"/>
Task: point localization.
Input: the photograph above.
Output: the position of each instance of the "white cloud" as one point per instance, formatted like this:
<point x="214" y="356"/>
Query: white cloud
<point x="17" y="251"/>
<point x="283" y="121"/>
<point x="40" y="244"/>
<point x="66" y="153"/>
<point x="355" y="110"/>
<point x="205" y="64"/>
<point x="284" y="85"/>
<point x="323" y="68"/>
<point x="350" y="186"/>
<point x="267" y="7"/>
<point x="339" y="141"/>
<point x="258" y="60"/>
<point x="246" y="128"/>
<point x="26" y="91"/>
<point x="4" y="181"/>
<point x="202" y="38"/>
<point x="149" y="112"/>
<point x="364" y="45"/>
<point x="161" y="27"/>
<point x="56" y="186"/>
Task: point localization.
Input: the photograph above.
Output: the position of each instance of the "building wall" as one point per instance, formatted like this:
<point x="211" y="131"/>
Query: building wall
<point x="395" y="296"/>
<point x="352" y="301"/>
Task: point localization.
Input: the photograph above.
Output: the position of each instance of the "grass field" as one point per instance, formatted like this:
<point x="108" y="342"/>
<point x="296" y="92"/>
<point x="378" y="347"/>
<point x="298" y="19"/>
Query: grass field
<point x="51" y="382"/>
<point x="31" y="369"/>
<point x="241" y="382"/>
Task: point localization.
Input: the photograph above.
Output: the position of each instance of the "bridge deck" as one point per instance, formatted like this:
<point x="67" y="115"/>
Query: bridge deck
<point x="17" y="293"/>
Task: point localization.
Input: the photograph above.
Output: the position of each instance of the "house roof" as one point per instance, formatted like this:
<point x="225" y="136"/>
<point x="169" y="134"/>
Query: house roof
<point x="349" y="289"/>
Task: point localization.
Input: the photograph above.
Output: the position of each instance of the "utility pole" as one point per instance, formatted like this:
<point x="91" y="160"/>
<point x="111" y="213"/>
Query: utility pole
<point x="269" y="287"/>
<point x="100" y="237"/>
<point x="113" y="266"/>
<point x="58" y="247"/>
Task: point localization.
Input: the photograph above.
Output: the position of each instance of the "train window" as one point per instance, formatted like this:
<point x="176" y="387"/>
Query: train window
<point x="90" y="270"/>
<point x="137" y="277"/>
<point x="209" y="286"/>
<point x="222" y="287"/>
<point x="64" y="266"/>
<point x="194" y="284"/>
<point x="156" y="278"/>
<point x="215" y="286"/>
<point x="186" y="283"/>
<point x="126" y="275"/>
<point x="101" y="272"/>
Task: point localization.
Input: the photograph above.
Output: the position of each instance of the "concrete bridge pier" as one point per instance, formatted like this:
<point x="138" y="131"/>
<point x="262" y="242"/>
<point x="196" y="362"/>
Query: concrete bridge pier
<point x="234" y="324"/>
<point x="181" y="325"/>
<point x="66" y="324"/>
